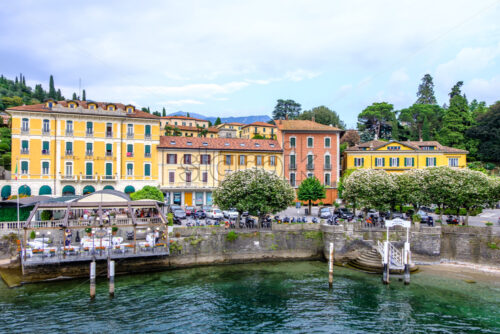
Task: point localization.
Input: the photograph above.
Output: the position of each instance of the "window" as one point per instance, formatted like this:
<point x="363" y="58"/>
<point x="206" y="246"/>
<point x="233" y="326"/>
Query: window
<point x="109" y="170"/>
<point x="90" y="128"/>
<point x="89" y="169"/>
<point x="111" y="108"/>
<point x="147" y="170"/>
<point x="188" y="177"/>
<point x="393" y="148"/>
<point x="410" y="162"/>
<point x="45" y="147"/>
<point x="171" y="158"/>
<point x="130" y="110"/>
<point x="327" y="162"/>
<point x="46" y="126"/>
<point x="109" y="130"/>
<point x="184" y="123"/>
<point x="359" y="162"/>
<point x="242" y="160"/>
<point x="227" y="160"/>
<point x="205" y="159"/>
<point x="25" y="125"/>
<point x="327" y="142"/>
<point x="45" y="168"/>
<point x="130" y="130"/>
<point x="430" y="162"/>
<point x="69" y="169"/>
<point x="272" y="160"/>
<point x="69" y="128"/>
<point x="453" y="162"/>
<point x="292" y="179"/>
<point x="428" y="148"/>
<point x="147" y="151"/>
<point x="147" y="131"/>
<point x="130" y="169"/>
<point x="394" y="162"/>
<point x="310" y="161"/>
<point x="258" y="160"/>
<point x="310" y="142"/>
<point x="130" y="150"/>
<point x="310" y="175"/>
<point x="89" y="149"/>
<point x="327" y="179"/>
<point x="24" y="167"/>
<point x="92" y="106"/>
<point x="187" y="159"/>
<point x="171" y="177"/>
<point x="72" y="105"/>
<point x="292" y="141"/>
<point x="204" y="177"/>
<point x="292" y="161"/>
<point x="25" y="147"/>
<point x="379" y="162"/>
<point x="69" y="148"/>
<point x="109" y="149"/>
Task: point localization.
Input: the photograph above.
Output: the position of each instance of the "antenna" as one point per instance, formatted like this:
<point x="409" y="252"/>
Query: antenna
<point x="79" y="88"/>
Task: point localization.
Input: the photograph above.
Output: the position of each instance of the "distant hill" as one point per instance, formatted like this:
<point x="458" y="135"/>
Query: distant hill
<point x="240" y="119"/>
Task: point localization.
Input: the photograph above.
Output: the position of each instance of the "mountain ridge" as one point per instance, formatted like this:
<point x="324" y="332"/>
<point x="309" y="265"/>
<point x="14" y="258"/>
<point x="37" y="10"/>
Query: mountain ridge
<point x="231" y="119"/>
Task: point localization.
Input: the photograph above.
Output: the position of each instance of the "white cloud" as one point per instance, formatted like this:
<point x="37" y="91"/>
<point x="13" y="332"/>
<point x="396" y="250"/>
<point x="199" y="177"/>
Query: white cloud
<point x="300" y="74"/>
<point x="180" y="102"/>
<point x="483" y="89"/>
<point x="398" y="77"/>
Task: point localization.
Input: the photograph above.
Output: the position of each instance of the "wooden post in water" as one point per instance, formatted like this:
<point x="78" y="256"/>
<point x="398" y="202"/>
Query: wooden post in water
<point x="330" y="267"/>
<point x="92" y="280"/>
<point x="134" y="238"/>
<point x="386" y="259"/>
<point x="111" y="279"/>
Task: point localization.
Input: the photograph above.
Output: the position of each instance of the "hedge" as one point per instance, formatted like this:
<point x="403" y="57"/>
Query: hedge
<point x="10" y="214"/>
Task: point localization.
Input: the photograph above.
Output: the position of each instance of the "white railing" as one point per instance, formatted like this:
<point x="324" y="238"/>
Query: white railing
<point x="396" y="256"/>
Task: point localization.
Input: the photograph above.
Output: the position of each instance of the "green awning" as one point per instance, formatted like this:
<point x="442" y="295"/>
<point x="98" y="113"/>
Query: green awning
<point x="6" y="191"/>
<point x="24" y="190"/>
<point x="68" y="190"/>
<point x="88" y="190"/>
<point x="109" y="187"/>
<point x="129" y="189"/>
<point x="45" y="190"/>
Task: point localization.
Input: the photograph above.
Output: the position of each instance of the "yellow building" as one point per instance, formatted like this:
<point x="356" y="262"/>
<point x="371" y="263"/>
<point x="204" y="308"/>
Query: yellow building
<point x="259" y="129"/>
<point x="395" y="156"/>
<point x="78" y="147"/>
<point x="230" y="130"/>
<point x="191" y="168"/>
<point x="183" y="121"/>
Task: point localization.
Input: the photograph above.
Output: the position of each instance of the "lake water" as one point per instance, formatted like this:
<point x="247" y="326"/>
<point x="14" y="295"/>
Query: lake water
<point x="290" y="297"/>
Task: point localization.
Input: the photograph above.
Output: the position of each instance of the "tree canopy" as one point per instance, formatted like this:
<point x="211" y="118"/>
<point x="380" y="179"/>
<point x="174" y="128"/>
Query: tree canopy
<point x="378" y="119"/>
<point x="147" y="192"/>
<point x="425" y="94"/>
<point x="311" y="190"/>
<point x="286" y="109"/>
<point x="487" y="131"/>
<point x="323" y="115"/>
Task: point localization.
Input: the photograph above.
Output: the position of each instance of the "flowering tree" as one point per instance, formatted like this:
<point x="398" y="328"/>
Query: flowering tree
<point x="410" y="188"/>
<point x="473" y="190"/>
<point x="439" y="184"/>
<point x="254" y="190"/>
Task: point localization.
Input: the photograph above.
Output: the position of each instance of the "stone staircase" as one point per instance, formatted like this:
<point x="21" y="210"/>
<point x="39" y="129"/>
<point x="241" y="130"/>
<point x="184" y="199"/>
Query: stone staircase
<point x="371" y="261"/>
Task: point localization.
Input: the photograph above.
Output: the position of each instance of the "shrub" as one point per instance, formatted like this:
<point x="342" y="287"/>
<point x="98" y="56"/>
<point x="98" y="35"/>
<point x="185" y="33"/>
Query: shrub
<point x="114" y="228"/>
<point x="416" y="218"/>
<point x="170" y="218"/>
<point x="32" y="235"/>
<point x="88" y="230"/>
<point x="489" y="224"/>
<point x="231" y="236"/>
<point x="46" y="215"/>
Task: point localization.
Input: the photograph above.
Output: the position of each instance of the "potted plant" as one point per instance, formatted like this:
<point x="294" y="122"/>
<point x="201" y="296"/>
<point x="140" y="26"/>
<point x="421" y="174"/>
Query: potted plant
<point x="88" y="230"/>
<point x="32" y="235"/>
<point x="114" y="229"/>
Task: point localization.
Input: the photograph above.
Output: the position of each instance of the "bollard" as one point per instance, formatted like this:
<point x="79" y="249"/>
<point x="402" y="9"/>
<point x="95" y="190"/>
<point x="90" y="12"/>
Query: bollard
<point x="386" y="261"/>
<point x="112" y="279"/>
<point x="92" y="280"/>
<point x="330" y="268"/>
<point x="407" y="263"/>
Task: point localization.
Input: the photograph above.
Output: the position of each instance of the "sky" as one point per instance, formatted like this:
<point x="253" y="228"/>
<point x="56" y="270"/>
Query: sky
<point x="236" y="58"/>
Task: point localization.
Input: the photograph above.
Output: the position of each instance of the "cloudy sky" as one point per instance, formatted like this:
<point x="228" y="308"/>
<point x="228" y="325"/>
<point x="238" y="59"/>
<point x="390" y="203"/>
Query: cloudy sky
<point x="223" y="58"/>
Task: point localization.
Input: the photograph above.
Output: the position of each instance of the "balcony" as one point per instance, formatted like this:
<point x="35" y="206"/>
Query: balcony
<point x="25" y="151"/>
<point x="147" y="155"/>
<point x="45" y="152"/>
<point x="68" y="178"/>
<point x="130" y="135"/>
<point x="109" y="153"/>
<point x="310" y="166"/>
<point x="69" y="153"/>
<point x="328" y="167"/>
<point x="89" y="133"/>
<point x="130" y="154"/>
<point x="147" y="136"/>
<point x="46" y="132"/>
<point x="89" y="178"/>
<point x="69" y="132"/>
<point x="109" y="134"/>
<point x="108" y="178"/>
<point x="293" y="167"/>
<point x="89" y="153"/>
<point x="25" y="130"/>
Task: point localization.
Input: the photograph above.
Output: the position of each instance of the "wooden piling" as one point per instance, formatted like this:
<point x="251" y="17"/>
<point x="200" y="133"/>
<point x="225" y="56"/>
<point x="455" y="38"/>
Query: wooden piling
<point x="92" y="280"/>
<point x="330" y="267"/>
<point x="111" y="279"/>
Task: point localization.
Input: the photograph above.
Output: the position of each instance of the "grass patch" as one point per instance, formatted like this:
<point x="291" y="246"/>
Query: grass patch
<point x="316" y="235"/>
<point x="231" y="236"/>
<point x="492" y="245"/>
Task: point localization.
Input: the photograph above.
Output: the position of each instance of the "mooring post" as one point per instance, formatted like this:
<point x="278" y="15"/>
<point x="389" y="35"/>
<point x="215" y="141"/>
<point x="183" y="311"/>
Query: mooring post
<point x="111" y="279"/>
<point x="406" y="256"/>
<point x="92" y="280"/>
<point x="330" y="267"/>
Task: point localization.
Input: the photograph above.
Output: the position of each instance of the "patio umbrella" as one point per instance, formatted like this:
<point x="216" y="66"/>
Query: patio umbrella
<point x="77" y="238"/>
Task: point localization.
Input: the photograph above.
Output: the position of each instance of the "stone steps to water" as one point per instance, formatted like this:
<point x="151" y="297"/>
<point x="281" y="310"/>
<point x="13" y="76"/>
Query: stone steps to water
<point x="371" y="261"/>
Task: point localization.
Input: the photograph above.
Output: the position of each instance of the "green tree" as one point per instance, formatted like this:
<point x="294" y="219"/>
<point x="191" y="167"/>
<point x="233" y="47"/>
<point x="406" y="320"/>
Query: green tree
<point x="147" y="192"/>
<point x="39" y="93"/>
<point x="52" y="89"/>
<point x="323" y="115"/>
<point x="164" y="112"/>
<point x="419" y="114"/>
<point x="377" y="119"/>
<point x="84" y="96"/>
<point x="425" y="94"/>
<point x="176" y="132"/>
<point x="187" y="114"/>
<point x="74" y="97"/>
<point x="168" y="130"/>
<point x="311" y="190"/>
<point x="217" y="121"/>
<point x="286" y="109"/>
<point x="209" y="124"/>
<point x="254" y="190"/>
<point x="59" y="96"/>
<point x="487" y="132"/>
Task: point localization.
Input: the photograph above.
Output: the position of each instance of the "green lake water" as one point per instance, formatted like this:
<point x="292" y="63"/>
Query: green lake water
<point x="287" y="297"/>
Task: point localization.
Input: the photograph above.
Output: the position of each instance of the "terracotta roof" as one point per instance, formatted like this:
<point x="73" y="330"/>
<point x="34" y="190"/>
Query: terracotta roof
<point x="259" y="124"/>
<point x="193" y="128"/>
<point x="233" y="144"/>
<point x="232" y="123"/>
<point x="84" y="104"/>
<point x="303" y="125"/>
<point x="185" y="117"/>
<point x="415" y="145"/>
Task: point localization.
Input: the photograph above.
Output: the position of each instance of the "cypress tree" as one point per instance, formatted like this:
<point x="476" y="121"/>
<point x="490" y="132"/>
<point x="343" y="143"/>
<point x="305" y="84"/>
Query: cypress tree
<point x="217" y="121"/>
<point x="84" y="96"/>
<point x="426" y="130"/>
<point x="58" y="96"/>
<point x="52" y="89"/>
<point x="164" y="112"/>
<point x="74" y="96"/>
<point x="425" y="94"/>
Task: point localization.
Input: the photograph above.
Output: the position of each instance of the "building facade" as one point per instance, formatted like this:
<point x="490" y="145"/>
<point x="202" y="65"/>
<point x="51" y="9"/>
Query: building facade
<point x="258" y="129"/>
<point x="395" y="156"/>
<point x="310" y="149"/>
<point x="234" y="128"/>
<point x="183" y="121"/>
<point x="191" y="168"/>
<point x="78" y="147"/>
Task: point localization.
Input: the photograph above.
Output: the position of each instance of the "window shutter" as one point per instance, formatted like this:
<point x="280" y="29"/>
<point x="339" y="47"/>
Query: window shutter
<point x="208" y="158"/>
<point x="362" y="162"/>
<point x="426" y="162"/>
<point x="434" y="161"/>
<point x="175" y="158"/>
<point x="383" y="162"/>
<point x="185" y="158"/>
<point x="390" y="162"/>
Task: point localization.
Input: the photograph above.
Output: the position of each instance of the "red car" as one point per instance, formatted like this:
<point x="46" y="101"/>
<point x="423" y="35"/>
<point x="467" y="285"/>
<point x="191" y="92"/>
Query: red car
<point x="190" y="210"/>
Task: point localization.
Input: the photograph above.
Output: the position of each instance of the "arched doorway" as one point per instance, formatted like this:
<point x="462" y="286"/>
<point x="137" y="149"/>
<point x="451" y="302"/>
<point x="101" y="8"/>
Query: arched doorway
<point x="24" y="190"/>
<point x="45" y="190"/>
<point x="6" y="191"/>
<point x="129" y="190"/>
<point x="88" y="190"/>
<point x="68" y="191"/>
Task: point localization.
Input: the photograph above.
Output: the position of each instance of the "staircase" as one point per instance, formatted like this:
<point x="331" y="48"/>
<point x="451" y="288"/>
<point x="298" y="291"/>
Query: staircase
<point x="371" y="261"/>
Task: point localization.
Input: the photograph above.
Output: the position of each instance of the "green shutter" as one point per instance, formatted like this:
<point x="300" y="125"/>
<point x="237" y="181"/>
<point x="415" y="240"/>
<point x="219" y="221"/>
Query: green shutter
<point x="69" y="146"/>
<point x="148" y="148"/>
<point x="426" y="162"/>
<point x="148" y="130"/>
<point x="45" y="145"/>
<point x="130" y="148"/>
<point x="24" y="165"/>
<point x="362" y="162"/>
<point x="109" y="147"/>
<point x="109" y="169"/>
<point x="45" y="164"/>
<point x="88" y="168"/>
<point x="435" y="162"/>
<point x="390" y="162"/>
<point x="89" y="125"/>
<point x="25" y="144"/>
<point x="89" y="147"/>
<point x="413" y="162"/>
<point x="147" y="170"/>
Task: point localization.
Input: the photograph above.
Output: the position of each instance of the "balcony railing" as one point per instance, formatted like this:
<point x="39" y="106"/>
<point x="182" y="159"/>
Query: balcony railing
<point x="25" y="131"/>
<point x="69" y="132"/>
<point x="89" y="177"/>
<point x="310" y="166"/>
<point x="45" y="152"/>
<point x="45" y="132"/>
<point x="109" y="153"/>
<point x="147" y="155"/>
<point x="147" y="136"/>
<point x="68" y="177"/>
<point x="293" y="166"/>
<point x="89" y="153"/>
<point x="109" y="134"/>
<point x="89" y="133"/>
<point x="130" y="135"/>
<point x="69" y="153"/>
<point x="25" y="151"/>
<point x="328" y="166"/>
<point x="108" y="178"/>
<point x="130" y="154"/>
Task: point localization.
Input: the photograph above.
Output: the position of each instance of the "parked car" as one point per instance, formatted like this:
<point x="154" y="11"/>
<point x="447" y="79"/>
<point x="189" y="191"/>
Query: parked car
<point x="174" y="207"/>
<point x="200" y="214"/>
<point x="398" y="215"/>
<point x="214" y="214"/>
<point x="325" y="213"/>
<point x="180" y="214"/>
<point x="230" y="214"/>
<point x="344" y="213"/>
<point x="190" y="210"/>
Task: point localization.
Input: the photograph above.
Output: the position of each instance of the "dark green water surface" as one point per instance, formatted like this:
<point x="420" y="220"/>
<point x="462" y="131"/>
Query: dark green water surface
<point x="271" y="297"/>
